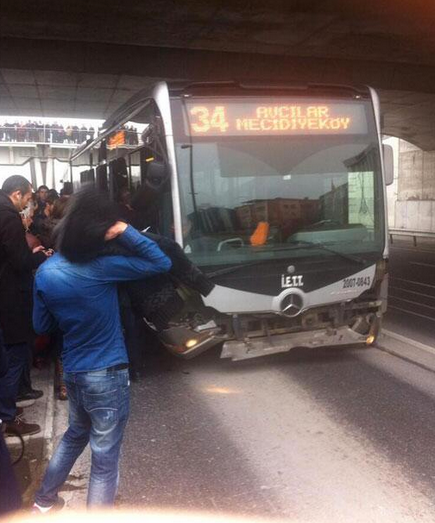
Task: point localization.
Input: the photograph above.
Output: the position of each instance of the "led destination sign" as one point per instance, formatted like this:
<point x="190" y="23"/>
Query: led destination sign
<point x="234" y="118"/>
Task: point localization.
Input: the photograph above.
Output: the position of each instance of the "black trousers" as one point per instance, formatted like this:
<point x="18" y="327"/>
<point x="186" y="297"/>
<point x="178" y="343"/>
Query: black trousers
<point x="26" y="382"/>
<point x="10" y="497"/>
<point x="18" y="358"/>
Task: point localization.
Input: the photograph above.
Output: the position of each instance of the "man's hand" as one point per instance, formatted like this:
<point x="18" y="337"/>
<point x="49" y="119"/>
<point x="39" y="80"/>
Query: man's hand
<point x="115" y="231"/>
<point x="38" y="249"/>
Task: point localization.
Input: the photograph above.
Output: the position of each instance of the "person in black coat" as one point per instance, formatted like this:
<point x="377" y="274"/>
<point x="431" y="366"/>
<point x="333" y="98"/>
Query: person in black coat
<point x="17" y="263"/>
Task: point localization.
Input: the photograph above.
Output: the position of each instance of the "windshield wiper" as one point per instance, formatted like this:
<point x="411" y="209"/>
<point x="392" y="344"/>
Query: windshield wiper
<point x="317" y="245"/>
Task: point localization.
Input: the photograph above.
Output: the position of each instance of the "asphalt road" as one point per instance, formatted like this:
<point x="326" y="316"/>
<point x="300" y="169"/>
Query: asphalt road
<point x="314" y="435"/>
<point x="411" y="303"/>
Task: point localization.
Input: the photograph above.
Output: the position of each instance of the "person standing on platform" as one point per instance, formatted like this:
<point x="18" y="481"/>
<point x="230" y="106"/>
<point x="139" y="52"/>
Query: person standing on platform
<point x="76" y="292"/>
<point x="41" y="195"/>
<point x="17" y="261"/>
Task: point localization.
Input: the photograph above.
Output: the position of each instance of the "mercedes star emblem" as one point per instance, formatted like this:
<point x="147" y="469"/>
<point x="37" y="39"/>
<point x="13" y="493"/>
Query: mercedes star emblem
<point x="291" y="305"/>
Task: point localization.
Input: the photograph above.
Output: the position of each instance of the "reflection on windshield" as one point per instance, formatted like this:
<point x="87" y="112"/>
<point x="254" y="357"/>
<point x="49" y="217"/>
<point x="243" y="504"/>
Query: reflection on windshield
<point x="249" y="199"/>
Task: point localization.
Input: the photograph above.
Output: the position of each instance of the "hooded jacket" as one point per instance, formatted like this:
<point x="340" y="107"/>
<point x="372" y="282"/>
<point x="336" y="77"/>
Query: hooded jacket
<point x="17" y="263"/>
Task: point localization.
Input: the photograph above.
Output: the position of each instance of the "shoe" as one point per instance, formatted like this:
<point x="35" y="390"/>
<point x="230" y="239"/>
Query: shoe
<point x="30" y="395"/>
<point x="24" y="403"/>
<point x="20" y="426"/>
<point x="63" y="394"/>
<point x="20" y="411"/>
<point x="38" y="509"/>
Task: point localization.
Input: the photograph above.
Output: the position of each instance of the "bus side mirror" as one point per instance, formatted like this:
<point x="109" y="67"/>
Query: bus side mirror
<point x="157" y="174"/>
<point x="388" y="164"/>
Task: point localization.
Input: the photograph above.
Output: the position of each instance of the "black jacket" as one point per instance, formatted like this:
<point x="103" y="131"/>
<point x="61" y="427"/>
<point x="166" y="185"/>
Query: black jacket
<point x="16" y="278"/>
<point x="156" y="299"/>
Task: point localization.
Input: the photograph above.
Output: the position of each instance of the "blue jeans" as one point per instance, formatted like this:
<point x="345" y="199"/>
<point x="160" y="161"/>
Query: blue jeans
<point x="98" y="413"/>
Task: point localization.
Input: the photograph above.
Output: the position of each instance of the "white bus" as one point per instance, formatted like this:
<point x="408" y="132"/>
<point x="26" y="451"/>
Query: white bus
<point x="277" y="193"/>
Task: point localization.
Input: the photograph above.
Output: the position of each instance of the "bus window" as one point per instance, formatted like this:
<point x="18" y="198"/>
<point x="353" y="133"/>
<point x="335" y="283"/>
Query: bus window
<point x="80" y="165"/>
<point x="87" y="177"/>
<point x="118" y="176"/>
<point x="135" y="170"/>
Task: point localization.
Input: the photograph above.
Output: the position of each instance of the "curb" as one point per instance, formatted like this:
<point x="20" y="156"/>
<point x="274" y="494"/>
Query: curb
<point x="407" y="349"/>
<point x="41" y="452"/>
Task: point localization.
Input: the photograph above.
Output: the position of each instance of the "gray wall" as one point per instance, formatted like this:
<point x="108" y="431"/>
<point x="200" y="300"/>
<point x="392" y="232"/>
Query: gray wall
<point x="411" y="198"/>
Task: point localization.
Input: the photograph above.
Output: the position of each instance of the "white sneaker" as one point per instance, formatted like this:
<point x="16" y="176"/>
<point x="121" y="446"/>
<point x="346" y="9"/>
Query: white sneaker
<point x="37" y="509"/>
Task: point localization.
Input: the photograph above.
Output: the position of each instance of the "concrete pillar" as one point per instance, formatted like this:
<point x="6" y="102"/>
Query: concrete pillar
<point x="43" y="162"/>
<point x="33" y="173"/>
<point x="392" y="189"/>
<point x="415" y="205"/>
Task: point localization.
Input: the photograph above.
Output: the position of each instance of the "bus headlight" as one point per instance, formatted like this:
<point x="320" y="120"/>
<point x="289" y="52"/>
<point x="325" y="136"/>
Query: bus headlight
<point x="370" y="339"/>
<point x="191" y="343"/>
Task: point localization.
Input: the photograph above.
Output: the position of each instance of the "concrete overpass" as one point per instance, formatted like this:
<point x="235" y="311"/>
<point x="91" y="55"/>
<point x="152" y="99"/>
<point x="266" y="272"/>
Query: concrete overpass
<point x="86" y="58"/>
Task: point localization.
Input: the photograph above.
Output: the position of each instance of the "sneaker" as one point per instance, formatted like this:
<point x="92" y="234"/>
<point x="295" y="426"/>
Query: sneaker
<point x="20" y="426"/>
<point x="38" y="509"/>
<point x="32" y="394"/>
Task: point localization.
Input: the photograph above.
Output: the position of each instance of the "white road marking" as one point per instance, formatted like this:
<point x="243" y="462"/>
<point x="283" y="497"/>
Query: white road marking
<point x="422" y="264"/>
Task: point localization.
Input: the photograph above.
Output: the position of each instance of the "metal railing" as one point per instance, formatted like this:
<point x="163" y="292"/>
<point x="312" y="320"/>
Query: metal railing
<point x="44" y="133"/>
<point x="411" y="233"/>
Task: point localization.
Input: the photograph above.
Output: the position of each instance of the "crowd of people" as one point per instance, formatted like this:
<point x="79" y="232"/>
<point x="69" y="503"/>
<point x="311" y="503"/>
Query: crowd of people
<point x="75" y="271"/>
<point x="24" y="245"/>
<point x="55" y="282"/>
<point x="39" y="132"/>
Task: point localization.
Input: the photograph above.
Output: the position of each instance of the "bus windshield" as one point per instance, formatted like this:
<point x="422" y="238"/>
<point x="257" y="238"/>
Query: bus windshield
<point x="259" y="179"/>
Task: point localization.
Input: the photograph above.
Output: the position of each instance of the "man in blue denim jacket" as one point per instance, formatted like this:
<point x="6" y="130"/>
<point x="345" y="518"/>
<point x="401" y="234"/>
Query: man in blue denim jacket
<point x="80" y="298"/>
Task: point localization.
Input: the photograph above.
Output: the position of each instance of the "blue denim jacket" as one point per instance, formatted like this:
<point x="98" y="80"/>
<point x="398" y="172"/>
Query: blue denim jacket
<point x="82" y="301"/>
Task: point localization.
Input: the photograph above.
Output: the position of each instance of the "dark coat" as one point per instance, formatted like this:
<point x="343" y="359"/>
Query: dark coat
<point x="17" y="263"/>
<point x="156" y="299"/>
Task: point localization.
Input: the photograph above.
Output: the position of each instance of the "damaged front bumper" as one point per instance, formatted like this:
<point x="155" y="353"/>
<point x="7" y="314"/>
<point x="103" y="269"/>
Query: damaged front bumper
<point x="255" y="347"/>
<point x="253" y="337"/>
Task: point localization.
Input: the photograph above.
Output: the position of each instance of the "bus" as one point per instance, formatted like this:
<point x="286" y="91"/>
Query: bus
<point x="276" y="192"/>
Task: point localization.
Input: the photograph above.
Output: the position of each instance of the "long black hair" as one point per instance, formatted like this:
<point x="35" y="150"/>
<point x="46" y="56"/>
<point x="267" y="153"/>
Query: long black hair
<point x="80" y="233"/>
